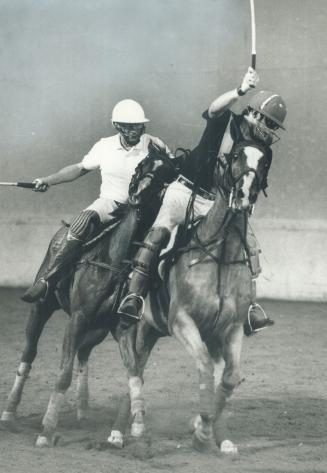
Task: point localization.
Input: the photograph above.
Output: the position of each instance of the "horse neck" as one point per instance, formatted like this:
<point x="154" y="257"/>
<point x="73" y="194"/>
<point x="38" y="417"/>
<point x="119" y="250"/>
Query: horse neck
<point x="218" y="224"/>
<point x="212" y="223"/>
<point x="121" y="238"/>
<point x="236" y="235"/>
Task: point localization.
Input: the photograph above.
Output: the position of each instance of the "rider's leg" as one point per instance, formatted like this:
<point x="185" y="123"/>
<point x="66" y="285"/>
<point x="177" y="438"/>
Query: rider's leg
<point x="257" y="318"/>
<point x="171" y="214"/>
<point x="146" y="258"/>
<point x="82" y="227"/>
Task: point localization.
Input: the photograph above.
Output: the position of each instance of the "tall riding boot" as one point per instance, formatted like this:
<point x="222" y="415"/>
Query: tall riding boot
<point x="81" y="229"/>
<point x="132" y="306"/>
<point x="257" y="318"/>
<point x="68" y="251"/>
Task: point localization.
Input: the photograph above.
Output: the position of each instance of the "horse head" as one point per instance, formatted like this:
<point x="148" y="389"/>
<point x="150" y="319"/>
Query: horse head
<point x="244" y="175"/>
<point x="151" y="175"/>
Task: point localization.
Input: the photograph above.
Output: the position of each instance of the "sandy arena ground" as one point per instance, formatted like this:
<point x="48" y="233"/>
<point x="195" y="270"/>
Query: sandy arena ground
<point x="277" y="416"/>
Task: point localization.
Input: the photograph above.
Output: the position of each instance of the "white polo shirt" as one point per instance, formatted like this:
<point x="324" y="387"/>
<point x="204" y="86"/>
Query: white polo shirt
<point x="117" y="165"/>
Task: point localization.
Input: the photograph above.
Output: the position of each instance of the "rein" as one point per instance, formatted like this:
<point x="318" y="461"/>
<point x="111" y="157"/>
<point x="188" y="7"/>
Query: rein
<point x="227" y="189"/>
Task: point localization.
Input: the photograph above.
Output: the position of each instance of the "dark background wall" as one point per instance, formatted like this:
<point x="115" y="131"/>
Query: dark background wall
<point x="64" y="65"/>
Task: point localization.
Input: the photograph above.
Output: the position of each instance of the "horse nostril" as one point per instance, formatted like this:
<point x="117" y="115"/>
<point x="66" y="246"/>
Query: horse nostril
<point x="240" y="194"/>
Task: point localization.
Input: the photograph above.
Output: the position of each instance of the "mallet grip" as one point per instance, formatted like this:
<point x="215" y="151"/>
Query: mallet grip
<point x="253" y="61"/>
<point x="26" y="185"/>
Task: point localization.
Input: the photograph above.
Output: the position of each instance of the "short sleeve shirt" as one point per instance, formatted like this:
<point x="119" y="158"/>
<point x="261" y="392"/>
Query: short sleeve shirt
<point x="117" y="165"/>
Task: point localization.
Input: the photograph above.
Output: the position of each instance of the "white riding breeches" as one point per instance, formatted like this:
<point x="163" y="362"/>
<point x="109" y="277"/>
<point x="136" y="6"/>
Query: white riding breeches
<point x="174" y="206"/>
<point x="103" y="207"/>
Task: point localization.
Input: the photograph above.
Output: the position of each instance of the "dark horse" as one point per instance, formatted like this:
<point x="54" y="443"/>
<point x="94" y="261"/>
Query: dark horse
<point x="205" y="299"/>
<point x="90" y="293"/>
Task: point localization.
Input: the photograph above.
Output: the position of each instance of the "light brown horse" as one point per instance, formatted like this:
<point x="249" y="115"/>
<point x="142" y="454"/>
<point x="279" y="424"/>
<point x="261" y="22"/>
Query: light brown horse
<point x="205" y="299"/>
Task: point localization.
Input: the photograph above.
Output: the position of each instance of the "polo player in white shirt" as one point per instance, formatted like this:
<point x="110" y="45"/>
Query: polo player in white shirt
<point x="116" y="157"/>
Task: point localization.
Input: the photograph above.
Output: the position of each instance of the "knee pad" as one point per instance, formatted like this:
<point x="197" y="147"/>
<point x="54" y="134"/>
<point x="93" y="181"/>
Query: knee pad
<point x="85" y="225"/>
<point x="158" y="237"/>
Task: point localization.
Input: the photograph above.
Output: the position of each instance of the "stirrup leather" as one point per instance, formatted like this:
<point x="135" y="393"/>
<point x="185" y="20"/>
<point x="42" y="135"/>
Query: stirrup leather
<point x="257" y="306"/>
<point x="132" y="297"/>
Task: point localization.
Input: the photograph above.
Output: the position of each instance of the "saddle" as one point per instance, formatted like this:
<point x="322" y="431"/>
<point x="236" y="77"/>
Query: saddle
<point x="179" y="244"/>
<point x="179" y="240"/>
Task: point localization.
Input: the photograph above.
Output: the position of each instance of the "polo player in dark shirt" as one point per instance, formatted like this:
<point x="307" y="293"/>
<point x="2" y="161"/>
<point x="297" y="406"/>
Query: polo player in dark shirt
<point x="224" y="130"/>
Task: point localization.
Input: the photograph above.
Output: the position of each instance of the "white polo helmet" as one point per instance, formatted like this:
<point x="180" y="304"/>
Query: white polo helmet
<point x="128" y="111"/>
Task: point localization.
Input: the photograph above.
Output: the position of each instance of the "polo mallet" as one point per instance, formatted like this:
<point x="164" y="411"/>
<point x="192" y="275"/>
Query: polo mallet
<point x="25" y="185"/>
<point x="253" y="36"/>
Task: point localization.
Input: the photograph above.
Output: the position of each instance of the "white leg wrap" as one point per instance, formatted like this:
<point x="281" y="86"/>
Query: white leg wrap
<point x="135" y="389"/>
<point x="137" y="429"/>
<point x="50" y="420"/>
<point x="82" y="391"/>
<point x="137" y="406"/>
<point x="7" y="416"/>
<point x="16" y="392"/>
<point x="195" y="423"/>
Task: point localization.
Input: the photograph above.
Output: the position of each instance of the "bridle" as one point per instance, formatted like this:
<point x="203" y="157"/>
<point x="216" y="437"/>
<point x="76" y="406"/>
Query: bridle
<point x="158" y="179"/>
<point x="227" y="187"/>
<point x="227" y="182"/>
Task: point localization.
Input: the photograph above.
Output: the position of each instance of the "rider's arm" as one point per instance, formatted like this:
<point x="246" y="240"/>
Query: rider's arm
<point x="226" y="100"/>
<point x="66" y="174"/>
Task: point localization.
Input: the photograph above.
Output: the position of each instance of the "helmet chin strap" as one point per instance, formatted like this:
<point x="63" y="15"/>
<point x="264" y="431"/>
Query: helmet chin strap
<point x="258" y="130"/>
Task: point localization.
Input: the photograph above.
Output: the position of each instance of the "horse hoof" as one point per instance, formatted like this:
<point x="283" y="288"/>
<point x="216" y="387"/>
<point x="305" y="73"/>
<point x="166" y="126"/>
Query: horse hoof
<point x="200" y="445"/>
<point x="116" y="439"/>
<point x="137" y="429"/>
<point x="194" y="423"/>
<point x="44" y="441"/>
<point x="228" y="447"/>
<point x="7" y="416"/>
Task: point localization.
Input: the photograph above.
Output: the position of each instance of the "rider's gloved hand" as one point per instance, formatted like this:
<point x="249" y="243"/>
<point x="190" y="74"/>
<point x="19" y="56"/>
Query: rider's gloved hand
<point x="41" y="184"/>
<point x="250" y="80"/>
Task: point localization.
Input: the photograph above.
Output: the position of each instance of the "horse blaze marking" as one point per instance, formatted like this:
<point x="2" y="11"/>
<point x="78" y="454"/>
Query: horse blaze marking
<point x="253" y="156"/>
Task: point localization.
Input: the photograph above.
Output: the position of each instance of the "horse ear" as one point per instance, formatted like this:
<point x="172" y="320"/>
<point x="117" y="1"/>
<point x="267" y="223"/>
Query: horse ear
<point x="153" y="147"/>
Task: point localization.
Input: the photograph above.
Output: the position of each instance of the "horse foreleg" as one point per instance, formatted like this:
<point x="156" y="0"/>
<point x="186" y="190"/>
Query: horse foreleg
<point x="82" y="390"/>
<point x="118" y="430"/>
<point x="186" y="331"/>
<point x="135" y="346"/>
<point x="146" y="338"/>
<point x="229" y="380"/>
<point x="74" y="334"/>
<point x="92" y="338"/>
<point x="126" y="340"/>
<point x="40" y="314"/>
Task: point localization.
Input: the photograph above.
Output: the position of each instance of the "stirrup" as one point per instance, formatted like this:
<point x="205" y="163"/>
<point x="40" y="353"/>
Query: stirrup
<point x="268" y="321"/>
<point x="132" y="297"/>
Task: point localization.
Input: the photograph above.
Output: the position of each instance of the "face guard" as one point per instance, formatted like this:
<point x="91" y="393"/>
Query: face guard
<point x="261" y="127"/>
<point x="130" y="132"/>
